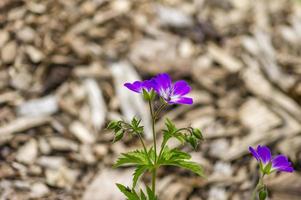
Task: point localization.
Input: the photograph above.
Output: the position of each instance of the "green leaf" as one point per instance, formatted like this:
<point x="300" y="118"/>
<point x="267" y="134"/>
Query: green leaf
<point x="142" y="195"/>
<point x="267" y="168"/>
<point x="197" y="133"/>
<point x="135" y="126"/>
<point x="151" y="195"/>
<point x="263" y="193"/>
<point x="148" y="95"/>
<point x="131" y="195"/>
<point x="192" y="166"/>
<point x="118" y="136"/>
<point x="192" y="140"/>
<point x="181" y="159"/>
<point x="135" y="121"/>
<point x="112" y="125"/>
<point x="138" y="172"/>
<point x="151" y="154"/>
<point x="137" y="157"/>
<point x="170" y="125"/>
<point x="172" y="131"/>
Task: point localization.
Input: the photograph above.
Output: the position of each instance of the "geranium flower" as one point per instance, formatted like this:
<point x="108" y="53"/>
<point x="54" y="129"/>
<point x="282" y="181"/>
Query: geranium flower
<point x="138" y="86"/>
<point x="172" y="93"/>
<point x="269" y="164"/>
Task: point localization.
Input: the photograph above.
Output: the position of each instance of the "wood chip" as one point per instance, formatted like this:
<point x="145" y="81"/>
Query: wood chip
<point x="63" y="177"/>
<point x="99" y="189"/>
<point x="34" y="54"/>
<point x="173" y="17"/>
<point x="4" y="37"/>
<point x="9" y="52"/>
<point x="21" y="124"/>
<point x="39" y="107"/>
<point x="97" y="104"/>
<point x="257" y="84"/>
<point x="28" y="152"/>
<point x="81" y="133"/>
<point x="221" y="56"/>
<point x="255" y="115"/>
<point x="39" y="190"/>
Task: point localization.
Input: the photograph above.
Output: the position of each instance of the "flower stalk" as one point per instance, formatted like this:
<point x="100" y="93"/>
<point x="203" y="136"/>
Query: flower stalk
<point x="154" y="171"/>
<point x="259" y="186"/>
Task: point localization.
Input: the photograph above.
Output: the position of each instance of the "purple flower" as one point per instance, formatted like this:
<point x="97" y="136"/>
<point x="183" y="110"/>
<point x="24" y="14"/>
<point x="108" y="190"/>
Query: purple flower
<point x="172" y="93"/>
<point x="268" y="163"/>
<point x="138" y="86"/>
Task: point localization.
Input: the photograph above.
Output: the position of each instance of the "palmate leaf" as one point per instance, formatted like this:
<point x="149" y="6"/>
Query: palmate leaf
<point x="131" y="194"/>
<point x="175" y="157"/>
<point x="139" y="171"/>
<point x="136" y="127"/>
<point x="142" y="195"/>
<point x="137" y="157"/>
<point x="150" y="194"/>
<point x="172" y="131"/>
<point x="192" y="166"/>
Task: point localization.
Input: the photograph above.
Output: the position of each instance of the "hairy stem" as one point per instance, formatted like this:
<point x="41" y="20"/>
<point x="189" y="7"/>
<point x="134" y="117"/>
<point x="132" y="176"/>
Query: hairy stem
<point x="144" y="147"/>
<point x="154" y="172"/>
<point x="162" y="148"/>
<point x="153" y="130"/>
<point x="257" y="188"/>
<point x="163" y="105"/>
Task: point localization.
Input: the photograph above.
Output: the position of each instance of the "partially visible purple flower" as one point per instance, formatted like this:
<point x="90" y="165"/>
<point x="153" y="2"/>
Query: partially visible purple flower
<point x="281" y="163"/>
<point x="172" y="93"/>
<point x="138" y="86"/>
<point x="268" y="163"/>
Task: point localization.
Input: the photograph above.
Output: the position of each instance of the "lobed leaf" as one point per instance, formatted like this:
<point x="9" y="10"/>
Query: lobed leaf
<point x="133" y="195"/>
<point x="130" y="194"/>
<point x="139" y="171"/>
<point x="174" y="157"/>
<point x="137" y="157"/>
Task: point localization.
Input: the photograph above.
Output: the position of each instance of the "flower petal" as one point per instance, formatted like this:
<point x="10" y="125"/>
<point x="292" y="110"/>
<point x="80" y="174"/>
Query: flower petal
<point x="264" y="154"/>
<point x="254" y="153"/>
<point x="182" y="100"/>
<point x="281" y="163"/>
<point x="148" y="85"/>
<point x="181" y="88"/>
<point x="163" y="85"/>
<point x="136" y="86"/>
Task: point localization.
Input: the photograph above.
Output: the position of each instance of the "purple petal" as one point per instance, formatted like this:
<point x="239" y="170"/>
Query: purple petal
<point x="281" y="163"/>
<point x="136" y="86"/>
<point x="254" y="153"/>
<point x="163" y="85"/>
<point x="182" y="100"/>
<point x="264" y="154"/>
<point x="148" y="85"/>
<point x="181" y="88"/>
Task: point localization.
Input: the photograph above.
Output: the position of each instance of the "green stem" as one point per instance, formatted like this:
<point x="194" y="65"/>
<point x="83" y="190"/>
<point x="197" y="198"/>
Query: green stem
<point x="189" y="130"/>
<point x="144" y="147"/>
<point x="162" y="148"/>
<point x="154" y="172"/>
<point x="153" y="130"/>
<point x="163" y="105"/>
<point x="257" y="188"/>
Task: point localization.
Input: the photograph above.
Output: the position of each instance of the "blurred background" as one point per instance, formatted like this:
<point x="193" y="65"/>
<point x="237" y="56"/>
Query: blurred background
<point x="62" y="68"/>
